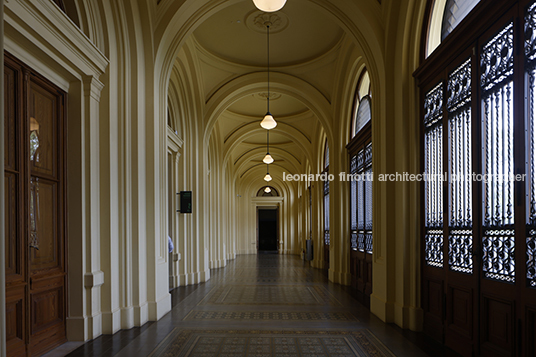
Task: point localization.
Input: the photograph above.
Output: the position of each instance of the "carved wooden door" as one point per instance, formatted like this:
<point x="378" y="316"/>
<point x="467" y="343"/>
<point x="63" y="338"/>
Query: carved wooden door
<point x="35" y="211"/>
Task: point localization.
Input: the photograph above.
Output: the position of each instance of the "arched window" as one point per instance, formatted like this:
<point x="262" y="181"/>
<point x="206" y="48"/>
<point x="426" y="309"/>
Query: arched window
<point x="360" y="156"/>
<point x="479" y="191"/>
<point x="362" y="104"/>
<point x="326" y="204"/>
<point x="446" y="15"/>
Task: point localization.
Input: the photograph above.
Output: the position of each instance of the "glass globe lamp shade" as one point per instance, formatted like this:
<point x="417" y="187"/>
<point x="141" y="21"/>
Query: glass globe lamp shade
<point x="268" y="122"/>
<point x="267" y="190"/>
<point x="269" y="5"/>
<point x="268" y="159"/>
<point x="267" y="178"/>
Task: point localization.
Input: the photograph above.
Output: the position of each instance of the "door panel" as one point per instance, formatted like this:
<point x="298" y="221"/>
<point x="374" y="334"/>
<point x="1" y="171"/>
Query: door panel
<point x="433" y="306"/>
<point x="15" y="264"/>
<point x="16" y="321"/>
<point x="497" y="327"/>
<point x="34" y="174"/>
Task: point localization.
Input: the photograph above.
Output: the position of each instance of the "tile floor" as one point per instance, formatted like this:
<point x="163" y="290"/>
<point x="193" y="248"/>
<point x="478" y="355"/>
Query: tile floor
<point x="265" y="293"/>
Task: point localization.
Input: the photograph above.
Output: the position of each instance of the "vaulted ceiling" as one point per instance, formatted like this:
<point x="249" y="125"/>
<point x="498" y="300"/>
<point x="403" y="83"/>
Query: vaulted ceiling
<point x="304" y="44"/>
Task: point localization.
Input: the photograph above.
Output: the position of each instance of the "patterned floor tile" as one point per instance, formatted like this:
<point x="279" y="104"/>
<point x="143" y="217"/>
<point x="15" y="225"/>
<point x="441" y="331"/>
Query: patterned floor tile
<point x="271" y="343"/>
<point x="269" y="316"/>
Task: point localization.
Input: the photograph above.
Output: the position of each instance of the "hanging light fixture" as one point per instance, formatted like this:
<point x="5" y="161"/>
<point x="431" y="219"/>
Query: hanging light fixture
<point x="267" y="178"/>
<point x="267" y="189"/>
<point x="269" y="5"/>
<point x="268" y="159"/>
<point x="268" y="122"/>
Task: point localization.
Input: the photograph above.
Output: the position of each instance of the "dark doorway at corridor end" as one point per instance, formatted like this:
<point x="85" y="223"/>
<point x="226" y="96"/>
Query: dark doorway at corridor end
<point x="267" y="230"/>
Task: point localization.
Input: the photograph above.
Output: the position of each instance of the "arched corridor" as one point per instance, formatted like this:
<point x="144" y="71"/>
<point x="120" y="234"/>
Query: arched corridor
<point x="141" y="160"/>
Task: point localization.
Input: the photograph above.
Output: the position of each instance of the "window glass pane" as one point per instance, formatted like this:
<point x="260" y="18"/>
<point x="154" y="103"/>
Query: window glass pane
<point x="455" y="12"/>
<point x="363" y="114"/>
<point x="530" y="75"/>
<point x="326" y="155"/>
<point x="364" y="86"/>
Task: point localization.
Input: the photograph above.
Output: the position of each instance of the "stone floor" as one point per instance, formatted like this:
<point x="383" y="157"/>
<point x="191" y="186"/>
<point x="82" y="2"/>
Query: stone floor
<point x="268" y="298"/>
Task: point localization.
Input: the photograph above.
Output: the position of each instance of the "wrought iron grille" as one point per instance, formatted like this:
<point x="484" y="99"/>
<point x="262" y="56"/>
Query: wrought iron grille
<point x="361" y="185"/>
<point x="368" y="198"/>
<point x="497" y="59"/>
<point x="433" y="167"/>
<point x="531" y="258"/>
<point x="530" y="33"/>
<point x="353" y="204"/>
<point x="498" y="249"/>
<point x="498" y="242"/>
<point x="326" y="212"/>
<point x="460" y="169"/>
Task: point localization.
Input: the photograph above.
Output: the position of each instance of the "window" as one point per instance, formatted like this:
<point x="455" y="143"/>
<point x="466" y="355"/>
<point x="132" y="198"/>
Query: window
<point x="360" y="150"/>
<point x="479" y="194"/>
<point x="362" y="111"/>
<point x="326" y="194"/>
<point x="446" y="15"/>
<point x="455" y="12"/>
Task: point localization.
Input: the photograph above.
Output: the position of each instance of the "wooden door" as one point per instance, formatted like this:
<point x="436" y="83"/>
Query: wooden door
<point x="35" y="211"/>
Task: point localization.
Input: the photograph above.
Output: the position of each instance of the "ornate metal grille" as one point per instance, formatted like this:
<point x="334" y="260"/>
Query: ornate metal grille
<point x="433" y="167"/>
<point x="353" y="204"/>
<point x="531" y="258"/>
<point x="497" y="59"/>
<point x="530" y="58"/>
<point x="530" y="33"/>
<point x="326" y="212"/>
<point x="368" y="198"/>
<point x="498" y="243"/>
<point x="363" y="198"/>
<point x="460" y="169"/>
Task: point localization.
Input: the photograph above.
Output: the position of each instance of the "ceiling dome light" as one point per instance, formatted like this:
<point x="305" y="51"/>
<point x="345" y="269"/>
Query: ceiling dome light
<point x="269" y="5"/>
<point x="268" y="122"/>
<point x="267" y="189"/>
<point x="268" y="159"/>
<point x="267" y="178"/>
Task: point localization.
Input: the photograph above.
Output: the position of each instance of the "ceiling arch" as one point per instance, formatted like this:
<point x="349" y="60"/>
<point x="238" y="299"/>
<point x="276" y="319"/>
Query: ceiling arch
<point x="253" y="128"/>
<point x="255" y="82"/>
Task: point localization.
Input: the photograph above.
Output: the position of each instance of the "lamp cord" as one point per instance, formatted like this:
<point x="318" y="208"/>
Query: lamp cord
<point x="268" y="61"/>
<point x="267" y="141"/>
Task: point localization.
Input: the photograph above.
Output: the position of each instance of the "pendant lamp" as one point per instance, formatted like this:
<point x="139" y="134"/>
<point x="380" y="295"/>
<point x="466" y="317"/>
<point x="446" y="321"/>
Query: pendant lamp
<point x="269" y="5"/>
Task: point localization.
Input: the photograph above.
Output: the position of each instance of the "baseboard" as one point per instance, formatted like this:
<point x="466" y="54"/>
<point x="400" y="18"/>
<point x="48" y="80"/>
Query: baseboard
<point x="111" y="321"/>
<point x="159" y="308"/>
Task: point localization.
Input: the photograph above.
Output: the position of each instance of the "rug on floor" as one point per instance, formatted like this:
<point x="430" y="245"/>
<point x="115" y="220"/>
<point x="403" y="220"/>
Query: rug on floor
<point x="270" y="343"/>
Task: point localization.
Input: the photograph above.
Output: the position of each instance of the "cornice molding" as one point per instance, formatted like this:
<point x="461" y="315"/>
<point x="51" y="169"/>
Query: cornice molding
<point x="41" y="22"/>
